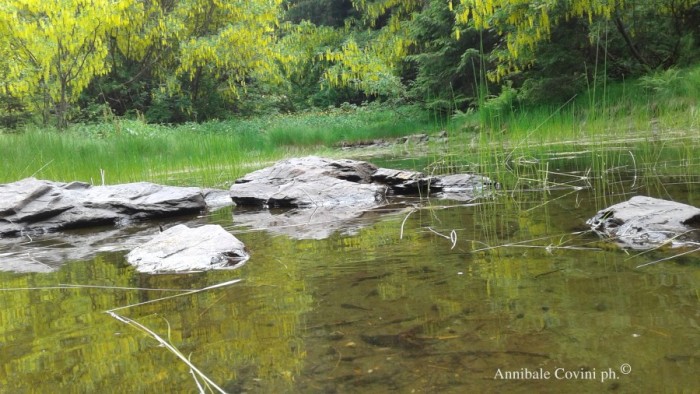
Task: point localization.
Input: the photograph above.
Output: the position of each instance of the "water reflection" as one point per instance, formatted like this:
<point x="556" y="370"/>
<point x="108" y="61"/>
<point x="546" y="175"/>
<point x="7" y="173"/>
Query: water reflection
<point x="309" y="223"/>
<point x="388" y="307"/>
<point x="448" y="321"/>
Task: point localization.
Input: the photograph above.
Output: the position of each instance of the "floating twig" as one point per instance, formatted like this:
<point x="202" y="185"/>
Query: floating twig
<point x="165" y="343"/>
<point x="452" y="237"/>
<point x="668" y="258"/>
<point x="168" y="346"/>
<point x="67" y="286"/>
<point x="199" y="386"/>
<point x="404" y="221"/>
<point x="177" y="295"/>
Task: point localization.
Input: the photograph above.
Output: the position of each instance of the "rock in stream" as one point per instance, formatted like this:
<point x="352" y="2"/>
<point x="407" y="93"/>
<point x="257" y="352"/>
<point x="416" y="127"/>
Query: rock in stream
<point x="181" y="248"/>
<point x="322" y="195"/>
<point x="645" y="222"/>
<point x="44" y="223"/>
<point x="310" y="182"/>
<point x="33" y="206"/>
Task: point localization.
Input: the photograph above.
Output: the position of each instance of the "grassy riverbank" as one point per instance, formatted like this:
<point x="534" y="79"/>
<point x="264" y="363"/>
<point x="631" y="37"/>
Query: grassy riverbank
<point x="646" y="125"/>
<point x="210" y="154"/>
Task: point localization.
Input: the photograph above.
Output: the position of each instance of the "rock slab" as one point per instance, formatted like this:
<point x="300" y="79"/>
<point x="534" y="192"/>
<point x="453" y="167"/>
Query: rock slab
<point x="321" y="182"/>
<point x="31" y="206"/>
<point x="310" y="182"/>
<point x="645" y="222"/>
<point x="181" y="248"/>
<point x="312" y="197"/>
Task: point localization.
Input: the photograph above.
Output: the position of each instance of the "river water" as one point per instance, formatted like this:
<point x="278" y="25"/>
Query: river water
<point x="508" y="293"/>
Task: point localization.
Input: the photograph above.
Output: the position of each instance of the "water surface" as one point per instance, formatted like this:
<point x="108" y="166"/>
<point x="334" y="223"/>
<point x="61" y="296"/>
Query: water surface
<point x="505" y="294"/>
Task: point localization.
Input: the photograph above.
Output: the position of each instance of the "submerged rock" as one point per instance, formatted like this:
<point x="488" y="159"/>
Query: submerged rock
<point x="181" y="248"/>
<point x="645" y="222"/>
<point x="32" y="206"/>
<point x="462" y="187"/>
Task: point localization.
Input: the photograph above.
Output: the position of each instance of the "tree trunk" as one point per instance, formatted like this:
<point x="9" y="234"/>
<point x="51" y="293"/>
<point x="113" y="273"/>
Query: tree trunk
<point x="62" y="106"/>
<point x="628" y="40"/>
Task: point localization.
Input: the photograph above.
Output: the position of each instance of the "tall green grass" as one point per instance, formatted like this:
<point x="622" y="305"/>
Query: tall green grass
<point x="648" y="126"/>
<point x="347" y="124"/>
<point x="212" y="154"/>
<point x="172" y="156"/>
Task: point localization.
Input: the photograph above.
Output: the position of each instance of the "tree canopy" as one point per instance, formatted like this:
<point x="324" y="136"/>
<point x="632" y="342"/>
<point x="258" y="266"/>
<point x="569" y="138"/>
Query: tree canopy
<point x="180" y="60"/>
<point x="53" y="50"/>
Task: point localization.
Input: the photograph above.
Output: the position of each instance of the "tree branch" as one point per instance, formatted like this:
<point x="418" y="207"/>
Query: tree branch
<point x="633" y="48"/>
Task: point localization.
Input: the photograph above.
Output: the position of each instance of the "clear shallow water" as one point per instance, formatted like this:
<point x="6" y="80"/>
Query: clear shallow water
<point x="367" y="310"/>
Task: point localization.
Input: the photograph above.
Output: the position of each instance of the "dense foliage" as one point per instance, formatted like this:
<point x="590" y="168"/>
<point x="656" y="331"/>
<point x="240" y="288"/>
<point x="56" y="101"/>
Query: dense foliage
<point x="172" y="61"/>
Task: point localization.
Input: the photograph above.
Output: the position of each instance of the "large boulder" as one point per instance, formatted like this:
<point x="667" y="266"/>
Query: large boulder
<point x="32" y="206"/>
<point x="324" y="195"/>
<point x="645" y="222"/>
<point x="314" y="182"/>
<point x="310" y="182"/>
<point x="181" y="248"/>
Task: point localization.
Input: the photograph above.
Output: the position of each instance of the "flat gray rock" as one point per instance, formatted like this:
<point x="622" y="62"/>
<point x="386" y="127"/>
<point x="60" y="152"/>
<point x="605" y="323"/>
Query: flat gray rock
<point x="645" y="222"/>
<point x="314" y="182"/>
<point x="324" y="195"/>
<point x="32" y="206"/>
<point x="44" y="224"/>
<point x="310" y="182"/>
<point x="181" y="248"/>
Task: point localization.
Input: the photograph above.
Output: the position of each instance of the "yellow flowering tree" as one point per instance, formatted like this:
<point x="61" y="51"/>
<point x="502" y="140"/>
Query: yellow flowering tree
<point x="53" y="49"/>
<point x="184" y="43"/>
<point x="368" y="58"/>
<point x="524" y="24"/>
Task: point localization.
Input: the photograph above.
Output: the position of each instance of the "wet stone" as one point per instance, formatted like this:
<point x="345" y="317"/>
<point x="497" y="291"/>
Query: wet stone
<point x="44" y="223"/>
<point x="181" y="248"/>
<point x="32" y="206"/>
<point x="645" y="222"/>
<point x="323" y="195"/>
<point x="309" y="182"/>
<point x="403" y="182"/>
